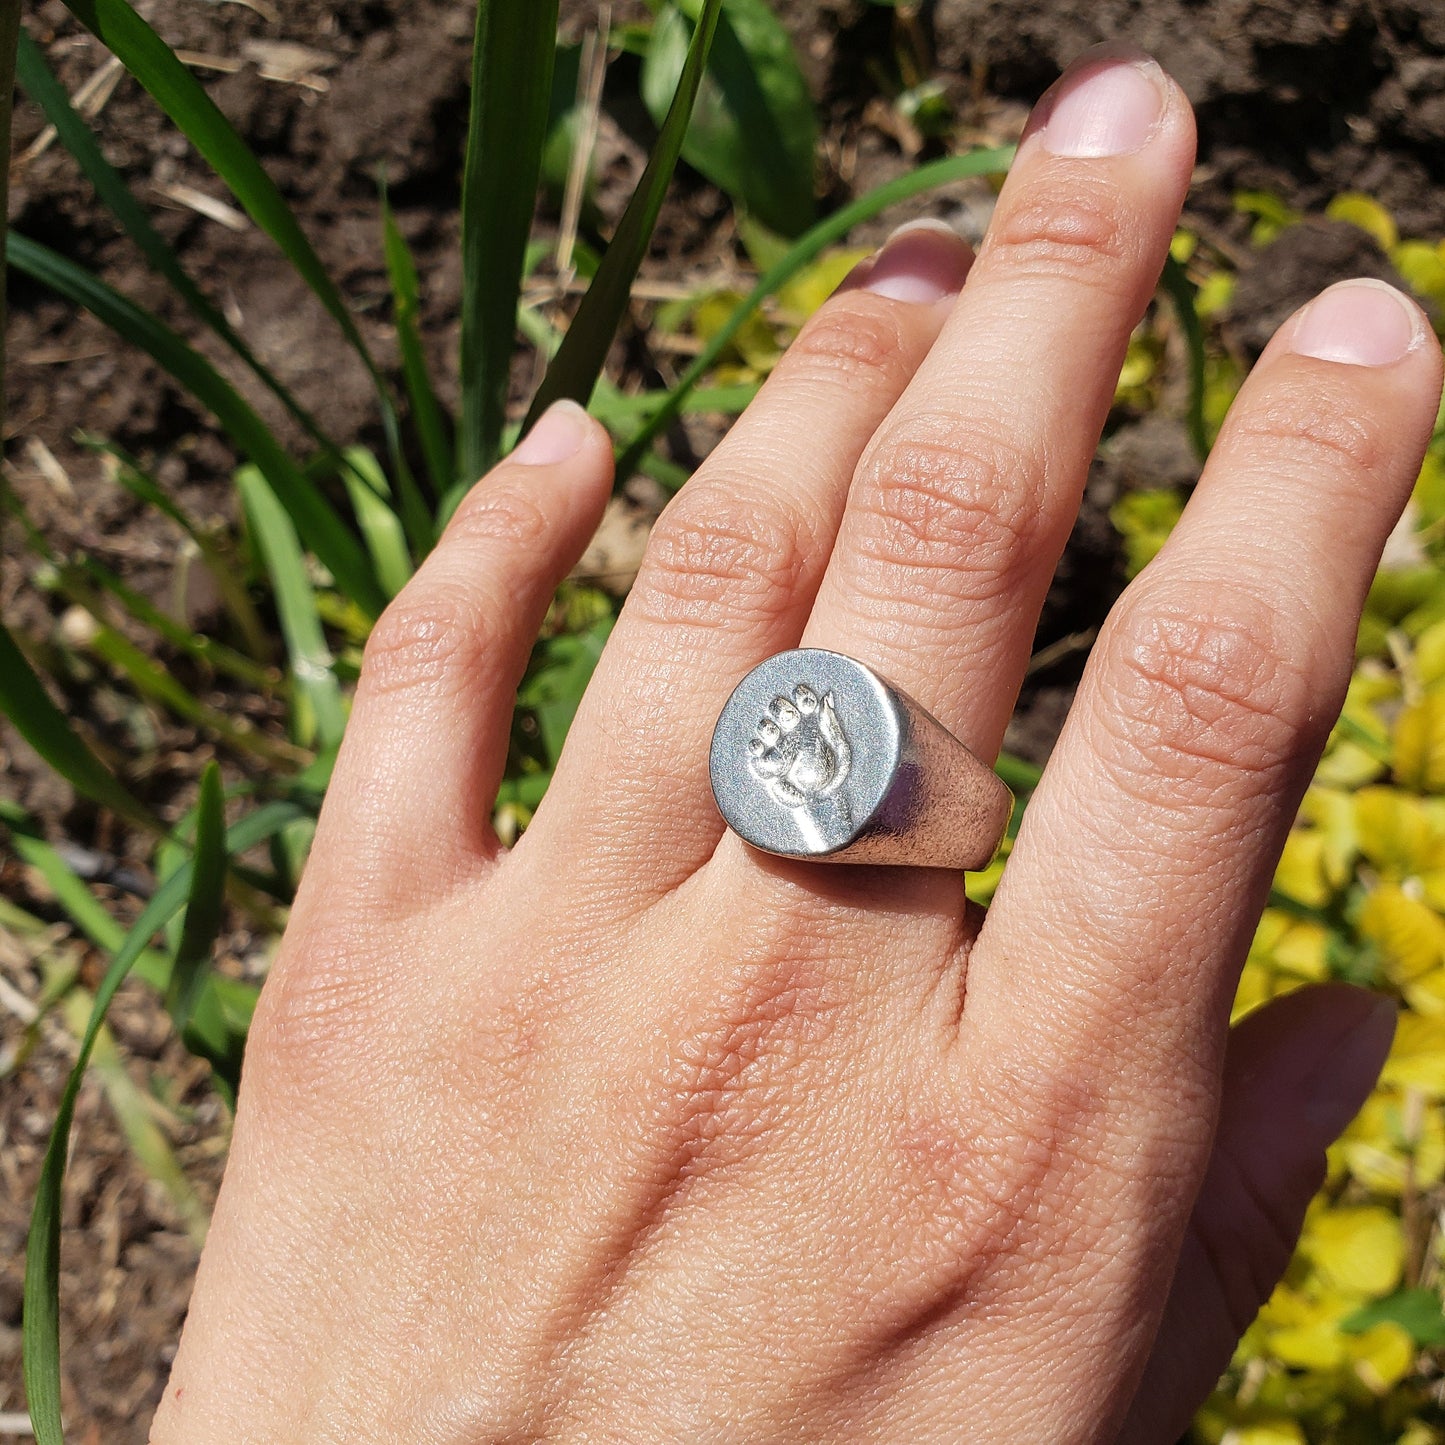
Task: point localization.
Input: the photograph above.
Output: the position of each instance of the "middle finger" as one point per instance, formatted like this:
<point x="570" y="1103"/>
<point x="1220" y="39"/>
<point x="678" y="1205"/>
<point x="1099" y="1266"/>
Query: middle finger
<point x="964" y="500"/>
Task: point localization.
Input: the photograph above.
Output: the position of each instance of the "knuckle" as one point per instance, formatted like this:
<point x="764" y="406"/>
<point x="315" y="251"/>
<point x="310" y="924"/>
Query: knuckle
<point x="317" y="1017"/>
<point x="719" y="552"/>
<point x="1305" y="427"/>
<point x="1200" y="697"/>
<point x="501" y="513"/>
<point x="1064" y="230"/>
<point x="856" y="344"/>
<point x="967" y="504"/>
<point x="431" y="636"/>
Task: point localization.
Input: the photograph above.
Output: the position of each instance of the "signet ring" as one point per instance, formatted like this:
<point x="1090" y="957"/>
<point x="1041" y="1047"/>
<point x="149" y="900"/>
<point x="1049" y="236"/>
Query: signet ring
<point x="816" y="756"/>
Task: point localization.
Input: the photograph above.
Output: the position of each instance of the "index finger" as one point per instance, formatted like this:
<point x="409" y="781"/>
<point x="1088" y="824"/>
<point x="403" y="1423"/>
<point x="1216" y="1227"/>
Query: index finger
<point x="1113" y="948"/>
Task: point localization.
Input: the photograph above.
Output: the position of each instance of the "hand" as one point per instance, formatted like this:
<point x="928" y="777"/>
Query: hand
<point x="632" y="1134"/>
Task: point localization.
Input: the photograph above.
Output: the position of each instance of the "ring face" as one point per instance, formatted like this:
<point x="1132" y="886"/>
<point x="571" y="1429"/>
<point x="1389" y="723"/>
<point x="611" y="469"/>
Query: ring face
<point x="804" y="753"/>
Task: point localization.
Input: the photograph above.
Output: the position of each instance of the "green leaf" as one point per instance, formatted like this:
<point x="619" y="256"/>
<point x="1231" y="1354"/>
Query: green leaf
<point x="381" y="528"/>
<point x="1417" y="1311"/>
<point x="116" y="25"/>
<point x="512" y="59"/>
<point x="25" y="702"/>
<point x="801" y="254"/>
<point x="577" y="365"/>
<point x="315" y="518"/>
<point x="753" y="132"/>
<point x="76" y="136"/>
<point x="1183" y="292"/>
<point x="554" y="689"/>
<point x="41" y="1327"/>
<point x="202" y="924"/>
<point x="9" y="37"/>
<point x="312" y="667"/>
<point x="229" y="583"/>
<point x="430" y="420"/>
<point x="133" y="1112"/>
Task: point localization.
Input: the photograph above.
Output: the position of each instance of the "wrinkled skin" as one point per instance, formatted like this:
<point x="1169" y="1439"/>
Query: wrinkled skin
<point x="632" y="1134"/>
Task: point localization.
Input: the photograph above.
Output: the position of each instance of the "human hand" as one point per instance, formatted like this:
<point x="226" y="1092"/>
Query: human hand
<point x="633" y="1134"/>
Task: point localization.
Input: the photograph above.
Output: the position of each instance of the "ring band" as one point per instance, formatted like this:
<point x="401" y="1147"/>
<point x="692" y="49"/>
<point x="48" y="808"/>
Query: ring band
<point x="816" y="756"/>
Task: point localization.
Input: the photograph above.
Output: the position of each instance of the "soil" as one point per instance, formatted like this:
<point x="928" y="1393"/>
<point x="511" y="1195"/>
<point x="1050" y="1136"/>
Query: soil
<point x="1301" y="99"/>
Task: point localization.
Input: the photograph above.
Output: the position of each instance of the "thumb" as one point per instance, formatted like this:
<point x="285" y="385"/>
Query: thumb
<point x="1296" y="1073"/>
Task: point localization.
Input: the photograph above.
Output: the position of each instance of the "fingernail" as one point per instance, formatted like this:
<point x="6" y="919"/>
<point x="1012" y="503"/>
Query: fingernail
<point x="1106" y="104"/>
<point x="921" y="262"/>
<point x="557" y="435"/>
<point x="1341" y="1082"/>
<point x="1361" y="323"/>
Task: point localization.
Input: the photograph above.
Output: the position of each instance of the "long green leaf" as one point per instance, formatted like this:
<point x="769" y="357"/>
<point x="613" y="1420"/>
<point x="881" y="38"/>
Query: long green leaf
<point x="315" y="518"/>
<point x="426" y="411"/>
<point x="203" y="904"/>
<point x="312" y="668"/>
<point x="117" y="26"/>
<point x="73" y="894"/>
<point x="229" y="583"/>
<point x="381" y="529"/>
<point x="76" y="136"/>
<point x="577" y="365"/>
<point x="753" y="132"/>
<point x="185" y="101"/>
<point x="802" y="253"/>
<point x="512" y="59"/>
<point x="9" y="37"/>
<point x="1182" y="292"/>
<point x="41" y="1325"/>
<point x="25" y="702"/>
<point x="132" y="1108"/>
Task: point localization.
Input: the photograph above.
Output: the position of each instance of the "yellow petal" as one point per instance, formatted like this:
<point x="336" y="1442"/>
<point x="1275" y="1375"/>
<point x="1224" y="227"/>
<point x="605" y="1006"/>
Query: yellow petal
<point x="1368" y="214"/>
<point x="1420" y="743"/>
<point x="1409" y="934"/>
<point x="1356" y="1250"/>
<point x="1417" y="1059"/>
<point x="1382" y="1356"/>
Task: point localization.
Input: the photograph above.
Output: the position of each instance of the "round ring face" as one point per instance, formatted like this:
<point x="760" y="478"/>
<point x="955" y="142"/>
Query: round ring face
<point x="803" y="753"/>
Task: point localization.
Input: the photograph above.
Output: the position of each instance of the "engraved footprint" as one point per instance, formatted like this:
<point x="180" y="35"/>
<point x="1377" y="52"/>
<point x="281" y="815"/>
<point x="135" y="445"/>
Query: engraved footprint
<point x="800" y="751"/>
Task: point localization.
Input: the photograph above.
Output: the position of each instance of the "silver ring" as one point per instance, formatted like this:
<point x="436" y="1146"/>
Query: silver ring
<point x="816" y="756"/>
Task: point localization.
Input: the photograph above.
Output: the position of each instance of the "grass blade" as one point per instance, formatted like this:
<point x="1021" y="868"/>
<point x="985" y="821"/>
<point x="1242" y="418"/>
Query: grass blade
<point x="312" y="668"/>
<point x="1181" y="291"/>
<point x="231" y="586"/>
<point x="9" y="38"/>
<point x="78" y="138"/>
<point x="577" y="365"/>
<point x="202" y="923"/>
<point x="753" y="132"/>
<point x="155" y="65"/>
<point x="73" y="894"/>
<point x="801" y="254"/>
<point x="41" y="1321"/>
<point x="317" y="521"/>
<point x="430" y="420"/>
<point x="512" y="60"/>
<point x="145" y="1137"/>
<point x="381" y="529"/>
<point x="25" y="702"/>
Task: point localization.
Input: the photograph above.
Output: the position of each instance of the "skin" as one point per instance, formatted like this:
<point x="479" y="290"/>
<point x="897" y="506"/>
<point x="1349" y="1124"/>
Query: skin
<point x="632" y="1134"/>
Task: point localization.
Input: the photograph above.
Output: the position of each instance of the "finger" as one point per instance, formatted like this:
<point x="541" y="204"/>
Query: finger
<point x="1296" y="1073"/>
<point x="967" y="495"/>
<point x="427" y="742"/>
<point x="733" y="565"/>
<point x="1143" y="860"/>
<point x="1102" y="977"/>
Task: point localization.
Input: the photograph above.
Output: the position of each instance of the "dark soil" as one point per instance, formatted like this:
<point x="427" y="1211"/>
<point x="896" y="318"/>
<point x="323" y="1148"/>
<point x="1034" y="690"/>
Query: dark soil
<point x="1301" y="99"/>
